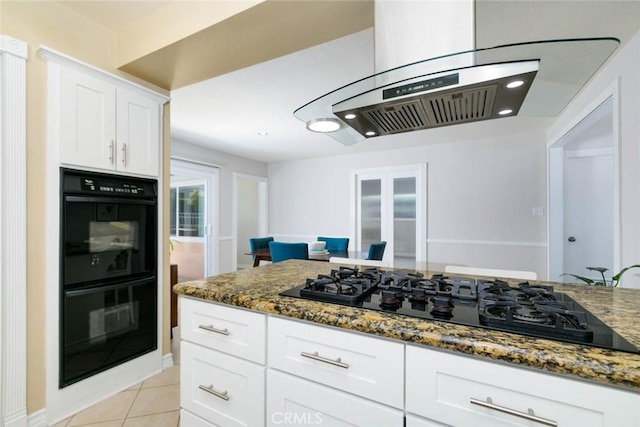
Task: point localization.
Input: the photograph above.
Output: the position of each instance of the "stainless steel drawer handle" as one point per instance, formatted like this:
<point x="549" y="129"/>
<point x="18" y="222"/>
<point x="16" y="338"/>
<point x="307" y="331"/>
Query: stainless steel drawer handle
<point x="529" y="415"/>
<point x="222" y="395"/>
<point x="315" y="356"/>
<point x="124" y="154"/>
<point x="210" y="328"/>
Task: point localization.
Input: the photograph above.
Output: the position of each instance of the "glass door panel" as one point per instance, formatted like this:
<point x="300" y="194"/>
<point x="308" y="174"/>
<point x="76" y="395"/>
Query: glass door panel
<point x="371" y="212"/>
<point x="187" y="225"/>
<point x="404" y="222"/>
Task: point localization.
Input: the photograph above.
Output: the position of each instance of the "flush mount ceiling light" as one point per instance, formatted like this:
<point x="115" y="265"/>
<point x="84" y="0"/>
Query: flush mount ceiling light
<point x="514" y="84"/>
<point x="350" y="116"/>
<point x="323" y="125"/>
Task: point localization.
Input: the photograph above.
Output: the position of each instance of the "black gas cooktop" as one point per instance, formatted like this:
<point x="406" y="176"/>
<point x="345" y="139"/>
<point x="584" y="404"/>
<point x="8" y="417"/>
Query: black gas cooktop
<point x="521" y="308"/>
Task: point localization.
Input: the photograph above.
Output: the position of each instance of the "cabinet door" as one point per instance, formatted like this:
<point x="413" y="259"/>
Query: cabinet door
<point x="87" y="120"/>
<point x="138" y="133"/>
<point x="292" y="401"/>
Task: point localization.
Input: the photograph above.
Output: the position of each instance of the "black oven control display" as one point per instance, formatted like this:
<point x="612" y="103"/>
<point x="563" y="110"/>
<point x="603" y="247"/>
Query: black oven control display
<point x="106" y="187"/>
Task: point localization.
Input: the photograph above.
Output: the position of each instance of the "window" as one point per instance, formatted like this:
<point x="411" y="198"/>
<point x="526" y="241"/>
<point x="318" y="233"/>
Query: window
<point x="187" y="210"/>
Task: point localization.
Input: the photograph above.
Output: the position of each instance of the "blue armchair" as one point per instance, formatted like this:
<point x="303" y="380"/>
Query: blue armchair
<point x="335" y="244"/>
<point x="281" y="251"/>
<point x="376" y="251"/>
<point x="258" y="243"/>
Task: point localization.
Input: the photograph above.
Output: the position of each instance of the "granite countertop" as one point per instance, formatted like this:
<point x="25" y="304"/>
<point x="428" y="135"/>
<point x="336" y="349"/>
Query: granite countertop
<point x="258" y="288"/>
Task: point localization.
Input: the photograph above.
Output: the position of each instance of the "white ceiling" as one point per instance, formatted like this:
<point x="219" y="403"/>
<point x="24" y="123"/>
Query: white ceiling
<point x="227" y="112"/>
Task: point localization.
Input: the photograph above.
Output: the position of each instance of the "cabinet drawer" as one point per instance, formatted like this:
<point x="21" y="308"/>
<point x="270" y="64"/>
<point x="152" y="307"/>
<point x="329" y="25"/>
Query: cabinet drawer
<point x="294" y="401"/>
<point x="414" y="421"/>
<point x="187" y="419"/>
<point x="369" y="367"/>
<point x="219" y="388"/>
<point x="230" y="330"/>
<point x="455" y="390"/>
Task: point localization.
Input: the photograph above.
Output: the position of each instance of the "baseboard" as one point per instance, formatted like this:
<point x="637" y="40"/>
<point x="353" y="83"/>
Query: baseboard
<point x="167" y="361"/>
<point x="37" y="419"/>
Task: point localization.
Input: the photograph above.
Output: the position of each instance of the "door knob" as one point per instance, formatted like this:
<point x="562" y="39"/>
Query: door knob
<point x="571" y="239"/>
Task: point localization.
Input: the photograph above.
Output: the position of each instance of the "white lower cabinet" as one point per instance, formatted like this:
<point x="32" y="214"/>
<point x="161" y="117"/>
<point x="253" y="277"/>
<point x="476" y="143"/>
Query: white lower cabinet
<point x="222" y="389"/>
<point x="292" y="401"/>
<point x="243" y="368"/>
<point x="461" y="391"/>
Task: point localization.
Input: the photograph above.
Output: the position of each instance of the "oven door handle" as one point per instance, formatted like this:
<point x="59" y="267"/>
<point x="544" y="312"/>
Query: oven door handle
<point x="107" y="199"/>
<point x="93" y="289"/>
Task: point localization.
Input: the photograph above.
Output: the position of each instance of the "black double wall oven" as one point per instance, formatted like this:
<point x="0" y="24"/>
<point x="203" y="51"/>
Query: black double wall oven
<point x="108" y="272"/>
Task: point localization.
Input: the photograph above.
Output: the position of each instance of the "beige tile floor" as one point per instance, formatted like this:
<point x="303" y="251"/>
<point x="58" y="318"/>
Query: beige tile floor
<point x="154" y="402"/>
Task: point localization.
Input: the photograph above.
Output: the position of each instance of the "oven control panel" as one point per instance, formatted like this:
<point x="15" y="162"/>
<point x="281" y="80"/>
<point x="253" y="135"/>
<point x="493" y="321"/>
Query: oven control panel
<point x="93" y="185"/>
<point x="83" y="182"/>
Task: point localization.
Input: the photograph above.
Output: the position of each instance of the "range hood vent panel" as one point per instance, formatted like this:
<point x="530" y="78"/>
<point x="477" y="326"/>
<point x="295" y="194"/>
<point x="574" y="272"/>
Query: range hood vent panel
<point x="461" y="107"/>
<point x="556" y="82"/>
<point x="401" y="117"/>
<point x="451" y="105"/>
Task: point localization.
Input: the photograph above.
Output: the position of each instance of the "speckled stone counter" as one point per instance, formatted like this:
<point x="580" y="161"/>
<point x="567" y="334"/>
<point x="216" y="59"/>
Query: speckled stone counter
<point x="258" y="288"/>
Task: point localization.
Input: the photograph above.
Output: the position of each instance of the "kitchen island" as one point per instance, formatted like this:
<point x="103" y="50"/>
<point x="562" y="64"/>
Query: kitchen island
<point x="616" y="374"/>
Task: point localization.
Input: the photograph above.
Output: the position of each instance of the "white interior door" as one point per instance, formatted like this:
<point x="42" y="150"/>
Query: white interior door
<point x="588" y="211"/>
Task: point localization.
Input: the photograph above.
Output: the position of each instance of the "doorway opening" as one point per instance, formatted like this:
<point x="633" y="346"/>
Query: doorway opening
<point x="193" y="214"/>
<point x="583" y="195"/>
<point x="250" y="215"/>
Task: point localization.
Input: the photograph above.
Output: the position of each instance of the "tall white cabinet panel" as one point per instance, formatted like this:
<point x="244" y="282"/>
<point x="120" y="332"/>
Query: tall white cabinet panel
<point x="87" y="120"/>
<point x="107" y="125"/>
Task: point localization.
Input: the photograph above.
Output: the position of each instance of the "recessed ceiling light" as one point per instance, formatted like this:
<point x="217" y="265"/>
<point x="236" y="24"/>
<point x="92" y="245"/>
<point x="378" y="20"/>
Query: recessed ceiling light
<point x="370" y="133"/>
<point x="505" y="112"/>
<point x="514" y="84"/>
<point x="350" y="116"/>
<point x="324" y="125"/>
<point x="263" y="133"/>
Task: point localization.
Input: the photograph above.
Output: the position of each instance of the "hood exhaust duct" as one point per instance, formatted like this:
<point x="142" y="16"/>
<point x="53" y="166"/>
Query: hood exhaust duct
<point x="534" y="78"/>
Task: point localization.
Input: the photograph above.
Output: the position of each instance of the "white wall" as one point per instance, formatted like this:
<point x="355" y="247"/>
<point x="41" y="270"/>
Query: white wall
<point x="228" y="164"/>
<point x="480" y="194"/>
<point x="624" y="66"/>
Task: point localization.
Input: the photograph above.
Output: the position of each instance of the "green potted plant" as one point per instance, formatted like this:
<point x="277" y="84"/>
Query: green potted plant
<point x="613" y="282"/>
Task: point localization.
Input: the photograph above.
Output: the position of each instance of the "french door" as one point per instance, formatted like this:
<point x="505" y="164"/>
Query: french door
<point x="193" y="219"/>
<point x="390" y="205"/>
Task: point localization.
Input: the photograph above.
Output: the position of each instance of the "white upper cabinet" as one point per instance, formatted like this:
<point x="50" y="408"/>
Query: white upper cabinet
<point x="107" y="123"/>
<point x="87" y="120"/>
<point x="137" y="133"/>
<point x="101" y="121"/>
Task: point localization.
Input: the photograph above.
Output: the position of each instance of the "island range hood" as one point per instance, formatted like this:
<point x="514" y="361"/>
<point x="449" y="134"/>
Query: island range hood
<point x="533" y="78"/>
